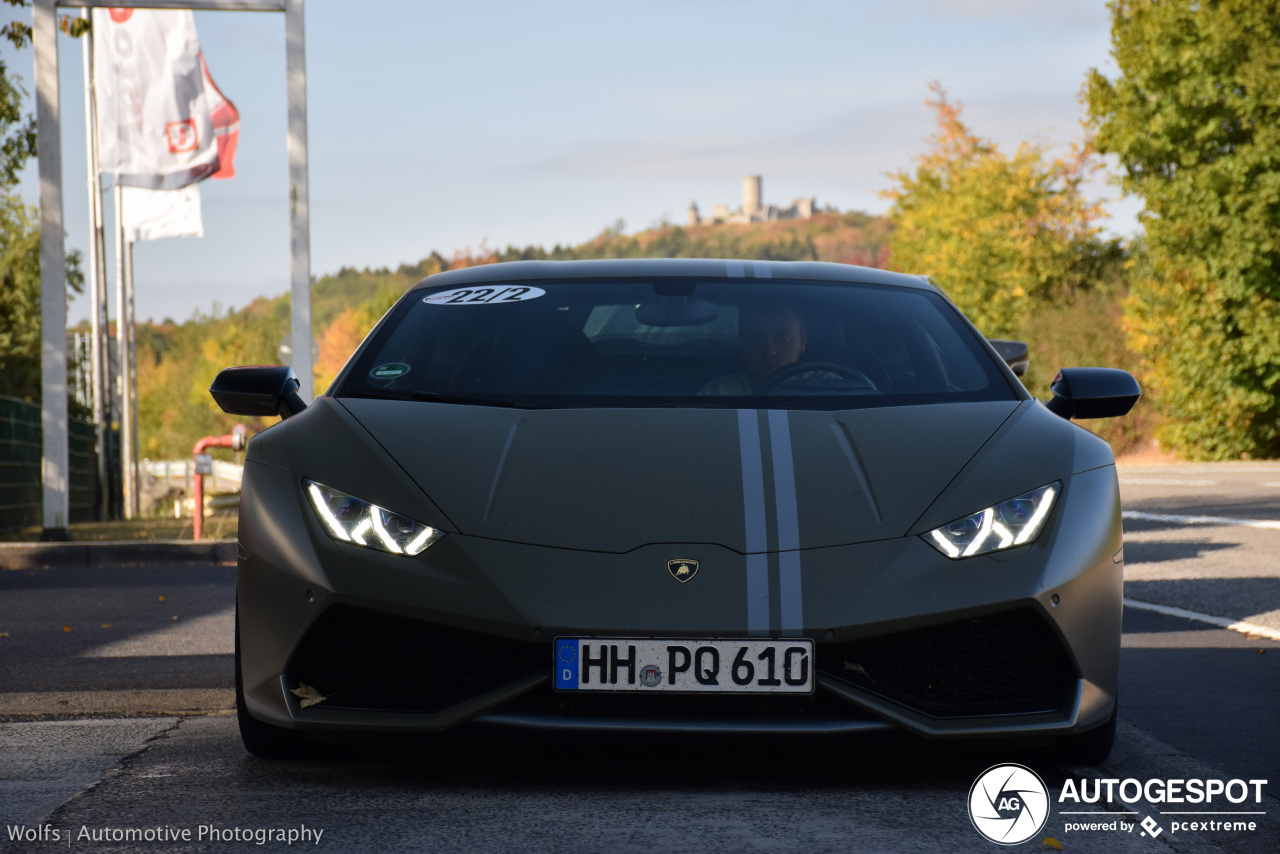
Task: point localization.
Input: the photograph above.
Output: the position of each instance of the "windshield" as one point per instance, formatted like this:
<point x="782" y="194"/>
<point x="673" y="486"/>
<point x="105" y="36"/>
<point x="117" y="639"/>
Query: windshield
<point x="753" y="344"/>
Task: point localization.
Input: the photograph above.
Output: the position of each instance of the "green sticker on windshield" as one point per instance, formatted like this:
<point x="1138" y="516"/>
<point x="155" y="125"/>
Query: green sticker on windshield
<point x="389" y="371"/>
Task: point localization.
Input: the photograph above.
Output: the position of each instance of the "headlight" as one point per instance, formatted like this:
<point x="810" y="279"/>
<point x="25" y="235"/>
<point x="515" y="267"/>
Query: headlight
<point x="360" y="523"/>
<point x="1010" y="523"/>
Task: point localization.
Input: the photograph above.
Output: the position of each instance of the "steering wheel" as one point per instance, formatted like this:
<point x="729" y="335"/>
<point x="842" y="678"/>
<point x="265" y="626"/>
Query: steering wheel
<point x="775" y="379"/>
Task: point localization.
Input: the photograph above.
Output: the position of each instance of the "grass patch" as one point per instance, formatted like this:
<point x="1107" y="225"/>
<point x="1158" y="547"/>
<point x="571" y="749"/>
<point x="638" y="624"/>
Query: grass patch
<point x="222" y="525"/>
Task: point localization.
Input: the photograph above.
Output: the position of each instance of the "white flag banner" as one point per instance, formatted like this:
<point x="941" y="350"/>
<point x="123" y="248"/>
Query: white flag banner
<point x="159" y="214"/>
<point x="154" y="108"/>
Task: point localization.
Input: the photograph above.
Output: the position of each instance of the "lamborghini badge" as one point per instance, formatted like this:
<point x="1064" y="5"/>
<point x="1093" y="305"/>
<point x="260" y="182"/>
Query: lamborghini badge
<point x="682" y="570"/>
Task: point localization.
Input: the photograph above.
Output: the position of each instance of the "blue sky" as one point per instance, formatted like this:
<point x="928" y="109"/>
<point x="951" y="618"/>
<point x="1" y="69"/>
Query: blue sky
<point x="439" y="126"/>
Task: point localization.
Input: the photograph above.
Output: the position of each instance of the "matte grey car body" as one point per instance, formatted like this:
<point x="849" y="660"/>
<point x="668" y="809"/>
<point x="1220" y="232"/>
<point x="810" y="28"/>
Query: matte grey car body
<point x="808" y="517"/>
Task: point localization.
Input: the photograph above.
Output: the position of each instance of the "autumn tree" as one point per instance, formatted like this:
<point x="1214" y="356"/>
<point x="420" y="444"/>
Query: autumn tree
<point x="1194" y="118"/>
<point x="340" y="338"/>
<point x="999" y="232"/>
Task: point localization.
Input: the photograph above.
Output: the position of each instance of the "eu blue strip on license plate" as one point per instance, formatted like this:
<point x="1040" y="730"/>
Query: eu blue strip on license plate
<point x="719" y="665"/>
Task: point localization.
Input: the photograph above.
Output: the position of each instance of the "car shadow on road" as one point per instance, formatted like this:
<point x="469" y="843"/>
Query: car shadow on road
<point x="523" y="760"/>
<point x="1162" y="551"/>
<point x="64" y="628"/>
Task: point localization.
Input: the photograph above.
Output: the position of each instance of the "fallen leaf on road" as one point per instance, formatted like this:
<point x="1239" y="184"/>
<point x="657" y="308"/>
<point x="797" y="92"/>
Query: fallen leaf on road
<point x="308" y="695"/>
<point x="175" y="616"/>
<point x="161" y="598"/>
<point x="1050" y="842"/>
<point x="66" y="628"/>
<point x="4" y="634"/>
<point x="106" y="625"/>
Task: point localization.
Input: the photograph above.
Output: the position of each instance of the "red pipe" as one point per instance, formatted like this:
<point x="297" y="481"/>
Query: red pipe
<point x="235" y="440"/>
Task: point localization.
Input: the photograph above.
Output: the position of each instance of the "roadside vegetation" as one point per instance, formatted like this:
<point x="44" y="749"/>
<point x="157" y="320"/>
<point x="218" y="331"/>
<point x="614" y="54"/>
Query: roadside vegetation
<point x="1192" y="306"/>
<point x="222" y="525"/>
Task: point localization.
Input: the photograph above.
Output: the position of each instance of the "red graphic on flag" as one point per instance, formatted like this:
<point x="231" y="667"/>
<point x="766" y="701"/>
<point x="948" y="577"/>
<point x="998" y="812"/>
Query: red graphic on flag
<point x="120" y="15"/>
<point x="181" y="136"/>
<point x="226" y="125"/>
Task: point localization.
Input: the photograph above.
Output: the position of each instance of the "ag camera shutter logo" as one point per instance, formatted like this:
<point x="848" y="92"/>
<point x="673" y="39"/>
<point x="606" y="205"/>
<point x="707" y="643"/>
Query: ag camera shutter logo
<point x="1008" y="804"/>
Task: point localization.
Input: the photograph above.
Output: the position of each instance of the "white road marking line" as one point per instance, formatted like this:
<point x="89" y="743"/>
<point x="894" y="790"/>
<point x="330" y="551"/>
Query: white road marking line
<point x="1269" y="483"/>
<point x="1217" y="469"/>
<point x="1223" y="622"/>
<point x="1139" y="516"/>
<point x="1134" y="481"/>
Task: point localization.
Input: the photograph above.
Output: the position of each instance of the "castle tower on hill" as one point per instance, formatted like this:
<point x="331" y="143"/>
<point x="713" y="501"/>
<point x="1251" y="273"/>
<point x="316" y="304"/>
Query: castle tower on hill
<point x="753" y="207"/>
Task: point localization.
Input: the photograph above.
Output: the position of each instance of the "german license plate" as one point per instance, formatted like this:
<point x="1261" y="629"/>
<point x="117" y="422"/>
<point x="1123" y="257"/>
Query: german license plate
<point x="724" y="666"/>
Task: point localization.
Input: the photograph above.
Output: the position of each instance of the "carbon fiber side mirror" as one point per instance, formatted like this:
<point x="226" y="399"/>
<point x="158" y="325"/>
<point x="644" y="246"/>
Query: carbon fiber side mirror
<point x="1093" y="393"/>
<point x="261" y="390"/>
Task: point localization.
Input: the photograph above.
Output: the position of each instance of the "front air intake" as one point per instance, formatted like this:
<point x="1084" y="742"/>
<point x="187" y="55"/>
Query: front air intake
<point x="362" y="659"/>
<point x="1009" y="663"/>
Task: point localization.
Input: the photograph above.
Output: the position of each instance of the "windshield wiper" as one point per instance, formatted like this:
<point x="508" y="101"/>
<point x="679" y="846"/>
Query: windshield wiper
<point x="440" y="397"/>
<point x="425" y="397"/>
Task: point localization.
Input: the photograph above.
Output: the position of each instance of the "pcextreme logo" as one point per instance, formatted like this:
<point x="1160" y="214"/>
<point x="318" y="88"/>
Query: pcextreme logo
<point x="1009" y="804"/>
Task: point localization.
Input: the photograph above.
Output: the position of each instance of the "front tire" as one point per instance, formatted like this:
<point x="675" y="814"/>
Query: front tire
<point x="262" y="739"/>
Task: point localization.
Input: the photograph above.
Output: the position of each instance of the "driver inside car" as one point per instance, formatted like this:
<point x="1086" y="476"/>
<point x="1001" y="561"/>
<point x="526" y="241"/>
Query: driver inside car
<point x="772" y="336"/>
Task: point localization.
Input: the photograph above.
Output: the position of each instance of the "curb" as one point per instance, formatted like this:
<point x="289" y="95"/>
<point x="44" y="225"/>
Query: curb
<point x="109" y="555"/>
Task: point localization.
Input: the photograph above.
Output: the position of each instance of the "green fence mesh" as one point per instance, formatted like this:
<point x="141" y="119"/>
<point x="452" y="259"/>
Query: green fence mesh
<point x="21" y="497"/>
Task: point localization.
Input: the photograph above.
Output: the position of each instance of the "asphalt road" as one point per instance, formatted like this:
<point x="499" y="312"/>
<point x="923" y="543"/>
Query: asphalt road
<point x="110" y="700"/>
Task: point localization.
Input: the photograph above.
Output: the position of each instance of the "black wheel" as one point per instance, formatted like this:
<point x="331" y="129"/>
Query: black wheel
<point x="1089" y="748"/>
<point x="262" y="739"/>
<point x="783" y="374"/>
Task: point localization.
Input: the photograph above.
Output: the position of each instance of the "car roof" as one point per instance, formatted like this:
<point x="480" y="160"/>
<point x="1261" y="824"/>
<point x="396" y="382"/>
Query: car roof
<point x="703" y="268"/>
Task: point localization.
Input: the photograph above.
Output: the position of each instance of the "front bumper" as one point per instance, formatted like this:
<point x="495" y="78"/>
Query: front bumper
<point x="1025" y="642"/>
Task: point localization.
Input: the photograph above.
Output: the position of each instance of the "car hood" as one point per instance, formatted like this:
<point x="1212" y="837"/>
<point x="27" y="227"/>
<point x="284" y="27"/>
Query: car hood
<point x="612" y="480"/>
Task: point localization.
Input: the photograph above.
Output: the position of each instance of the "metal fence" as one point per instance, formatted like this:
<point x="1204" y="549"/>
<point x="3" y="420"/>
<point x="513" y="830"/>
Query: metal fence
<point x="21" y="493"/>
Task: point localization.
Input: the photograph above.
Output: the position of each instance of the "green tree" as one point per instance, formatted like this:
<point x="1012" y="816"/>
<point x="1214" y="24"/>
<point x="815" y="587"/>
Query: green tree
<point x="20" y="233"/>
<point x="1194" y="118"/>
<point x="20" y="297"/>
<point x="1000" y="232"/>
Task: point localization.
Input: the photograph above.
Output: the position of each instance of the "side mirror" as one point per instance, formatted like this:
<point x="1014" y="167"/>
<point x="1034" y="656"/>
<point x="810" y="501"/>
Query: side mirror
<point x="1014" y="354"/>
<point x="258" y="390"/>
<point x="1093" y="393"/>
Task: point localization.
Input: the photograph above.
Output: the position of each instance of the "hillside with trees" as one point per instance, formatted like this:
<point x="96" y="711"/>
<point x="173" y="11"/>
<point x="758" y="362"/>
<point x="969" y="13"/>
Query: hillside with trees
<point x="177" y="362"/>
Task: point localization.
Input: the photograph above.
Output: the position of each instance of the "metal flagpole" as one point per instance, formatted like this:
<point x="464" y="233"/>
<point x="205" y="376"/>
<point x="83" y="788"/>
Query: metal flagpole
<point x="299" y="204"/>
<point x="123" y="358"/>
<point x="101" y="424"/>
<point x="54" y="471"/>
<point x="131" y="383"/>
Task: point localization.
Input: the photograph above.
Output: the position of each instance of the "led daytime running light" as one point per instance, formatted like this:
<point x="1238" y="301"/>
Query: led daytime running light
<point x="351" y="520"/>
<point x="996" y="528"/>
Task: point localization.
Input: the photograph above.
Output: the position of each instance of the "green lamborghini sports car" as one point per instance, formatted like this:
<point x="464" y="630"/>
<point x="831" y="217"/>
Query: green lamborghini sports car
<point x="679" y="495"/>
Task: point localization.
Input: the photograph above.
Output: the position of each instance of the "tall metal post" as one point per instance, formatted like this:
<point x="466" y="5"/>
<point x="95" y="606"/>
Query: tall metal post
<point x="53" y="275"/>
<point x="131" y="386"/>
<point x="102" y="426"/>
<point x="124" y="358"/>
<point x="299" y="206"/>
